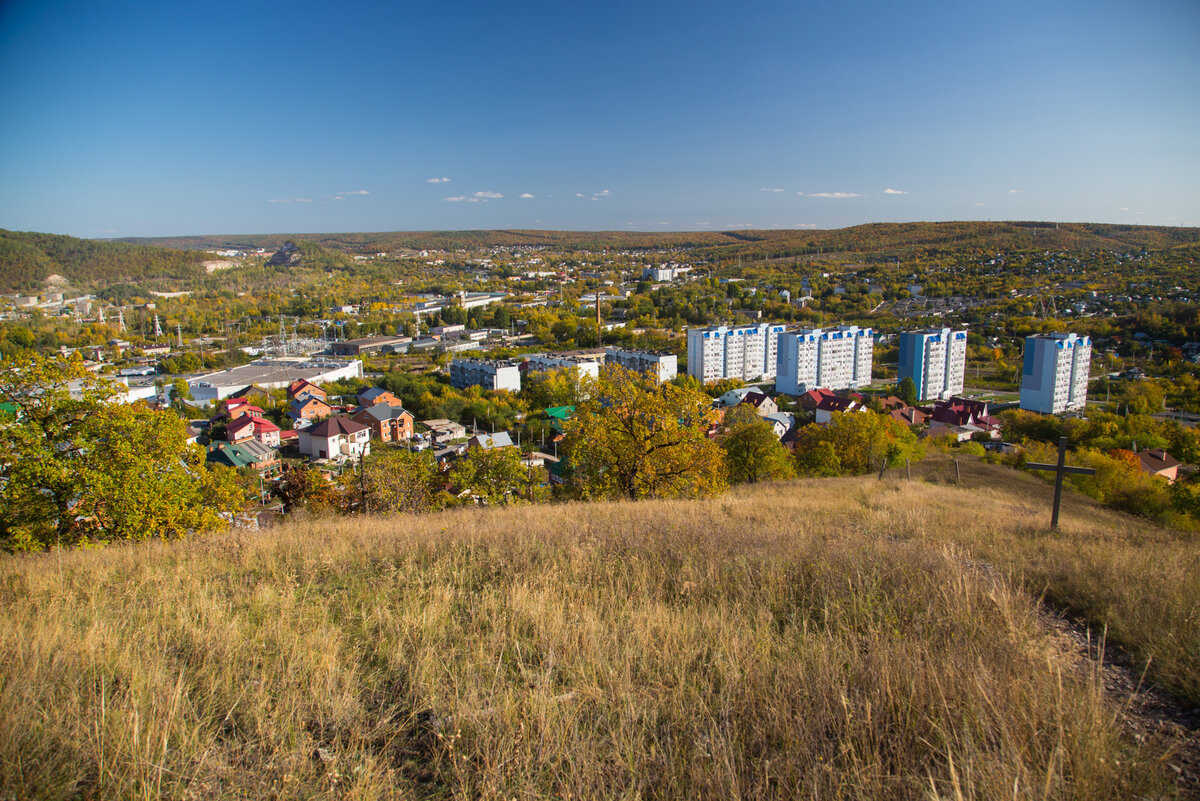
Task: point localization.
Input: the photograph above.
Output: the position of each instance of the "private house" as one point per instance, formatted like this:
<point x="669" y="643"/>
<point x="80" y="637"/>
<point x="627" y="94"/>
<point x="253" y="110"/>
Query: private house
<point x="233" y="408"/>
<point x="252" y="393"/>
<point x="810" y="400"/>
<point x="909" y="416"/>
<point x="445" y="430"/>
<point x="309" y="407"/>
<point x="250" y="453"/>
<point x="388" y="423"/>
<point x="735" y="396"/>
<point x="301" y="387"/>
<point x="1157" y="462"/>
<point x="489" y="441"/>
<point x="781" y="422"/>
<point x="374" y="395"/>
<point x="251" y="426"/>
<point x="337" y="438"/>
<point x="831" y="405"/>
<point x="761" y="403"/>
<point x="963" y="412"/>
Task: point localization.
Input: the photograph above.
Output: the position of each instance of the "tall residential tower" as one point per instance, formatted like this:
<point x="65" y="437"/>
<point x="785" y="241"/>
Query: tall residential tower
<point x="936" y="360"/>
<point x="830" y="358"/>
<point x="747" y="352"/>
<point x="1055" y="376"/>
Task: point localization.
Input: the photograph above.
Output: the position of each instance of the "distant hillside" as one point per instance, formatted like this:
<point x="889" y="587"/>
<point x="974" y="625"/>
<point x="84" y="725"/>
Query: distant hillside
<point x="27" y="259"/>
<point x="871" y="238"/>
<point x="842" y="638"/>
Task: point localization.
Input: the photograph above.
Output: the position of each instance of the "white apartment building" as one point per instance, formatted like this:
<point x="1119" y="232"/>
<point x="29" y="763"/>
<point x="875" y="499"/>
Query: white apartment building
<point x="661" y="364"/>
<point x="747" y="352"/>
<point x="582" y="365"/>
<point x="486" y="373"/>
<point x="832" y="358"/>
<point x="1055" y="374"/>
<point x="936" y="360"/>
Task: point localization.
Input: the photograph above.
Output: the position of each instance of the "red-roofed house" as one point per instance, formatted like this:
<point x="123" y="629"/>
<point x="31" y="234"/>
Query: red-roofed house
<point x="301" y="387"/>
<point x="250" y="426"/>
<point x="831" y="405"/>
<point x="812" y="399"/>
<point x="1158" y="462"/>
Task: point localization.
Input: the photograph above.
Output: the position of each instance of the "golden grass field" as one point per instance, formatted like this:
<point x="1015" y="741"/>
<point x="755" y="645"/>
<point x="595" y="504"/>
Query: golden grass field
<point x="839" y="638"/>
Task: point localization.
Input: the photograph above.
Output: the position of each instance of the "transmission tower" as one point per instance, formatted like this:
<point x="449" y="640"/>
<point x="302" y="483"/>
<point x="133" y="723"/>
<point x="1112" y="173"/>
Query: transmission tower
<point x="157" y="328"/>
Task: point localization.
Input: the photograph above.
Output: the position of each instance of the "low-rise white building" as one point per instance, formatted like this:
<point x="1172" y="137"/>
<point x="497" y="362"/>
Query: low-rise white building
<point x="337" y="438"/>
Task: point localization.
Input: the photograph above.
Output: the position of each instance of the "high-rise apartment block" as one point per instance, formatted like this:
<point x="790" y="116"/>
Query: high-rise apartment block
<point x="1055" y="376"/>
<point x="936" y="360"/>
<point x="830" y="358"/>
<point x="746" y="352"/>
<point x="664" y="366"/>
<point x="486" y="373"/>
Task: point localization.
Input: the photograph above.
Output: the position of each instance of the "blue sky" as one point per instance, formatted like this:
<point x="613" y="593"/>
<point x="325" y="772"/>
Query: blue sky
<point x="129" y="118"/>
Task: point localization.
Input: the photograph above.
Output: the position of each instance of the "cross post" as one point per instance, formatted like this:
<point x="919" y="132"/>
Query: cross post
<point x="1060" y="470"/>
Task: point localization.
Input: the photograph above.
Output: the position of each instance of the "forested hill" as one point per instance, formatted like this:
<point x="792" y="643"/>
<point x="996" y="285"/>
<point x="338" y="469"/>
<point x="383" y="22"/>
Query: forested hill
<point x="27" y="259"/>
<point x="870" y="238"/>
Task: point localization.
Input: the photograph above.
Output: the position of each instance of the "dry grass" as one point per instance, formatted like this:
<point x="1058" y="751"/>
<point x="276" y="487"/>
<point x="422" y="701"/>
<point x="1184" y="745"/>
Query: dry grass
<point x="822" y="639"/>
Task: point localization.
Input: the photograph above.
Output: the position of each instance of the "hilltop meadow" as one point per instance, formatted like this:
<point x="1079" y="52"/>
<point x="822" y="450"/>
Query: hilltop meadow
<point x="837" y="638"/>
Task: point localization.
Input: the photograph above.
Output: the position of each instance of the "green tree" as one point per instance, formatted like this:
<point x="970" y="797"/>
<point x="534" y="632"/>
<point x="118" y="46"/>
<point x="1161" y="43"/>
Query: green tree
<point x="494" y="475"/>
<point x="634" y="438"/>
<point x="861" y="441"/>
<point x="399" y="481"/>
<point x="181" y="393"/>
<point x="307" y="488"/>
<point x="80" y="466"/>
<point x="906" y="390"/>
<point x="752" y="451"/>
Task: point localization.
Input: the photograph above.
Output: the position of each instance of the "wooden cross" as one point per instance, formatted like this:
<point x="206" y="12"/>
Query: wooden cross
<point x="1060" y="470"/>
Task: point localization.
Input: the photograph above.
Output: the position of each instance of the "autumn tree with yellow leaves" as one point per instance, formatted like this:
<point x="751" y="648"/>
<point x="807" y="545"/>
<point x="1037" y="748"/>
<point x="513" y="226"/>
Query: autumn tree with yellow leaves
<point x="634" y="438"/>
<point x="78" y="465"/>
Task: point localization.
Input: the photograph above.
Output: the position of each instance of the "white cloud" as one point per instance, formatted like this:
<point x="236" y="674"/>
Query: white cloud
<point x="525" y="196"/>
<point x="978" y="204"/>
<point x="601" y="193"/>
<point x="768" y="189"/>
<point x="455" y="199"/>
<point x="702" y="223"/>
<point x="437" y="180"/>
<point x="1015" y="191"/>
<point x="355" y="192"/>
<point x="578" y="194"/>
<point x="663" y="222"/>
<point x="292" y="200"/>
<point x="806" y="225"/>
<point x="487" y="195"/>
<point x="835" y="194"/>
<point x="894" y="192"/>
<point x="1123" y="208"/>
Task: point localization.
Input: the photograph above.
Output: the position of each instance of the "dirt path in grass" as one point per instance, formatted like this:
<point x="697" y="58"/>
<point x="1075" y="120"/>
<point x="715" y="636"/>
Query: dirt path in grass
<point x="1147" y="715"/>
